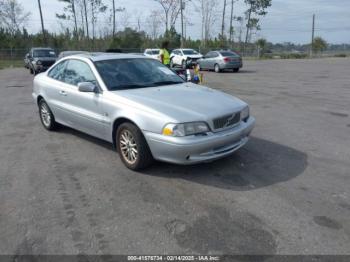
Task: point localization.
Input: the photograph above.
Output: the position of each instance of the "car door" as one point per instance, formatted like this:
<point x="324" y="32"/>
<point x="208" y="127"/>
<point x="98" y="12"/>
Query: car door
<point x="213" y="60"/>
<point x="53" y="92"/>
<point x="205" y="61"/>
<point x="177" y="57"/>
<point x="85" y="109"/>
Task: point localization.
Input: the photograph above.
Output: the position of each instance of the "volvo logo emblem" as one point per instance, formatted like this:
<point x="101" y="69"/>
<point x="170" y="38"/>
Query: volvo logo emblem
<point x="229" y="120"/>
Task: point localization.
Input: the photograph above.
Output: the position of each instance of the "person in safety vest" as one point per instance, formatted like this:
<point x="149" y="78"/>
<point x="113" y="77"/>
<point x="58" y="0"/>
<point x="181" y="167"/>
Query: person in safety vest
<point x="164" y="54"/>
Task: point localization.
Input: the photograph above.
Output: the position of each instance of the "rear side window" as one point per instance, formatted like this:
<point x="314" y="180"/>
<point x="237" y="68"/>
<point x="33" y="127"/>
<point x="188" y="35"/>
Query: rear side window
<point x="229" y="54"/>
<point x="58" y="71"/>
<point x="78" y="72"/>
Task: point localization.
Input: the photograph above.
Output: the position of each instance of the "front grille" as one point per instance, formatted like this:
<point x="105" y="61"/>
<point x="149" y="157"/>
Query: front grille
<point x="227" y="121"/>
<point x="47" y="63"/>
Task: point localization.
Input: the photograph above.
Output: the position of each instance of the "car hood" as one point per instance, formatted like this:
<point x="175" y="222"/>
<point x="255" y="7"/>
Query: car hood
<point x="184" y="102"/>
<point x="194" y="56"/>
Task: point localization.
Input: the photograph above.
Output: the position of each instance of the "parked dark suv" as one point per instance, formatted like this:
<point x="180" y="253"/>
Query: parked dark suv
<point x="40" y="59"/>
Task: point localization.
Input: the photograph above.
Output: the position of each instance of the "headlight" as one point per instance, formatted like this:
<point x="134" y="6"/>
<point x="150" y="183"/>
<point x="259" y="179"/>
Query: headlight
<point x="245" y="113"/>
<point x="185" y="129"/>
<point x="38" y="62"/>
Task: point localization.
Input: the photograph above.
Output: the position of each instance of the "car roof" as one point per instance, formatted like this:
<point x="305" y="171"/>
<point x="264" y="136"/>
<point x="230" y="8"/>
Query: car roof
<point x="106" y="56"/>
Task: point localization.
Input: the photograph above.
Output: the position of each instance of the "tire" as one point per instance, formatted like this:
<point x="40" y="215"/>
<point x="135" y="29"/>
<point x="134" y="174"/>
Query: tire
<point x="31" y="71"/>
<point x="132" y="147"/>
<point x="46" y="116"/>
<point x="217" y="68"/>
<point x="235" y="70"/>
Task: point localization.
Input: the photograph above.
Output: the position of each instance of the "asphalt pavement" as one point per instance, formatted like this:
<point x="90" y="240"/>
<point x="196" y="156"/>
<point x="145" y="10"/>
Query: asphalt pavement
<point x="286" y="192"/>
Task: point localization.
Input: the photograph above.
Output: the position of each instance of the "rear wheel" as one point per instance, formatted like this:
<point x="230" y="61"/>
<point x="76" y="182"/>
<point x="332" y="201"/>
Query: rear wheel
<point x="46" y="116"/>
<point x="132" y="147"/>
<point x="217" y="68"/>
<point x="235" y="70"/>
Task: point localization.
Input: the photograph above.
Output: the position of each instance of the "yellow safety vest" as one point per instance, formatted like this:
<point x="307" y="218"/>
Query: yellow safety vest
<point x="166" y="56"/>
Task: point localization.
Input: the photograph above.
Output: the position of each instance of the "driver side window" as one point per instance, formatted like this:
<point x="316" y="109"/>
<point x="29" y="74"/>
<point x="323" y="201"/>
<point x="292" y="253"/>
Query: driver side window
<point x="57" y="72"/>
<point x="77" y="72"/>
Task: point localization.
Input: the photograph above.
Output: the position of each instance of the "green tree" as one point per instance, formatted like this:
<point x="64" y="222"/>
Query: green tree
<point x="69" y="8"/>
<point x="319" y="44"/>
<point x="12" y="15"/>
<point x="258" y="8"/>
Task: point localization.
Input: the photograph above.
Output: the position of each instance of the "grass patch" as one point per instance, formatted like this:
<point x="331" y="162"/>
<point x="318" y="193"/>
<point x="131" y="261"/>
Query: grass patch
<point x="10" y="63"/>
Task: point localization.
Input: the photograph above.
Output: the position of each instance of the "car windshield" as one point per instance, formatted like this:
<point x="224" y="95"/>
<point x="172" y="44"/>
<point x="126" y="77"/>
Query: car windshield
<point x="130" y="73"/>
<point x="44" y="53"/>
<point x="226" y="53"/>
<point x="190" y="52"/>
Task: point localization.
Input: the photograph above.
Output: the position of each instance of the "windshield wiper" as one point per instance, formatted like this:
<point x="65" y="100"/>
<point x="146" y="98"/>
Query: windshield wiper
<point x="162" y="83"/>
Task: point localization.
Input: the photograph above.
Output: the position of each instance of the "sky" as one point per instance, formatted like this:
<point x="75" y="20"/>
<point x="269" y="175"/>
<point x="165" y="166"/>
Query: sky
<point x="286" y="21"/>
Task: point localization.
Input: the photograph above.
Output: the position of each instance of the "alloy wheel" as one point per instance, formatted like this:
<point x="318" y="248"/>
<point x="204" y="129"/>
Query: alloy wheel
<point x="45" y="114"/>
<point x="128" y="147"/>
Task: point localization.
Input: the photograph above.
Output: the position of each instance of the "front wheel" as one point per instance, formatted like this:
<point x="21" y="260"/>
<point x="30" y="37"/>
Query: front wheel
<point x="132" y="147"/>
<point x="235" y="70"/>
<point x="46" y="116"/>
<point x="217" y="68"/>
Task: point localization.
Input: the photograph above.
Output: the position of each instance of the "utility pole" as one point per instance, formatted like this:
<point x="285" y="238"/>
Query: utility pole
<point x="86" y="20"/>
<point x="223" y="22"/>
<point x="182" y="23"/>
<point x="42" y="23"/>
<point x="231" y="24"/>
<point x="313" y="36"/>
<point x="113" y="30"/>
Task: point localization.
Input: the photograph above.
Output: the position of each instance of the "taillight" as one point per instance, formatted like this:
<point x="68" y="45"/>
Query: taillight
<point x="226" y="59"/>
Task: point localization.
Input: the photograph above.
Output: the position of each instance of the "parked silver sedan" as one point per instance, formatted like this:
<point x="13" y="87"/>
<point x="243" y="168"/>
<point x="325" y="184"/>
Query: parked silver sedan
<point x="142" y="107"/>
<point x="221" y="60"/>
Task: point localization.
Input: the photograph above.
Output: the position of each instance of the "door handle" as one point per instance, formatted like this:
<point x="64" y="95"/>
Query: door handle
<point x="63" y="93"/>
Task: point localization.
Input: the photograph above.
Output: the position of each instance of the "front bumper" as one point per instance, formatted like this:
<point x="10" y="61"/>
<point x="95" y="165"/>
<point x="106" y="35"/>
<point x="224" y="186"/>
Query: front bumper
<point x="41" y="68"/>
<point x="197" y="149"/>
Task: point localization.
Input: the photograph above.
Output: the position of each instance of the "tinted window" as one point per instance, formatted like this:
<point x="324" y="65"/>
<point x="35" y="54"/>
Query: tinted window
<point x="155" y="52"/>
<point x="44" y="53"/>
<point x="190" y="52"/>
<point x="224" y="53"/>
<point x="211" y="55"/>
<point x="135" y="73"/>
<point x="77" y="72"/>
<point x="58" y="71"/>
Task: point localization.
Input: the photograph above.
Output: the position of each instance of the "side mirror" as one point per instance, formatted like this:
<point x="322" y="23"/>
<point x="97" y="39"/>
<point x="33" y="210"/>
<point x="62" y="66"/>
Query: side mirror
<point x="87" y="87"/>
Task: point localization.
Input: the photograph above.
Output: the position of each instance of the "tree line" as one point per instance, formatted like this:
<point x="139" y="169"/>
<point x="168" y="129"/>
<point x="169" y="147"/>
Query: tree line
<point x="103" y="24"/>
<point x="87" y="23"/>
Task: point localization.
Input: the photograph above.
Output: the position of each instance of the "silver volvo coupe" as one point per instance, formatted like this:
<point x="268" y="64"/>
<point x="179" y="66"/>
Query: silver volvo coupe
<point x="145" y="109"/>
